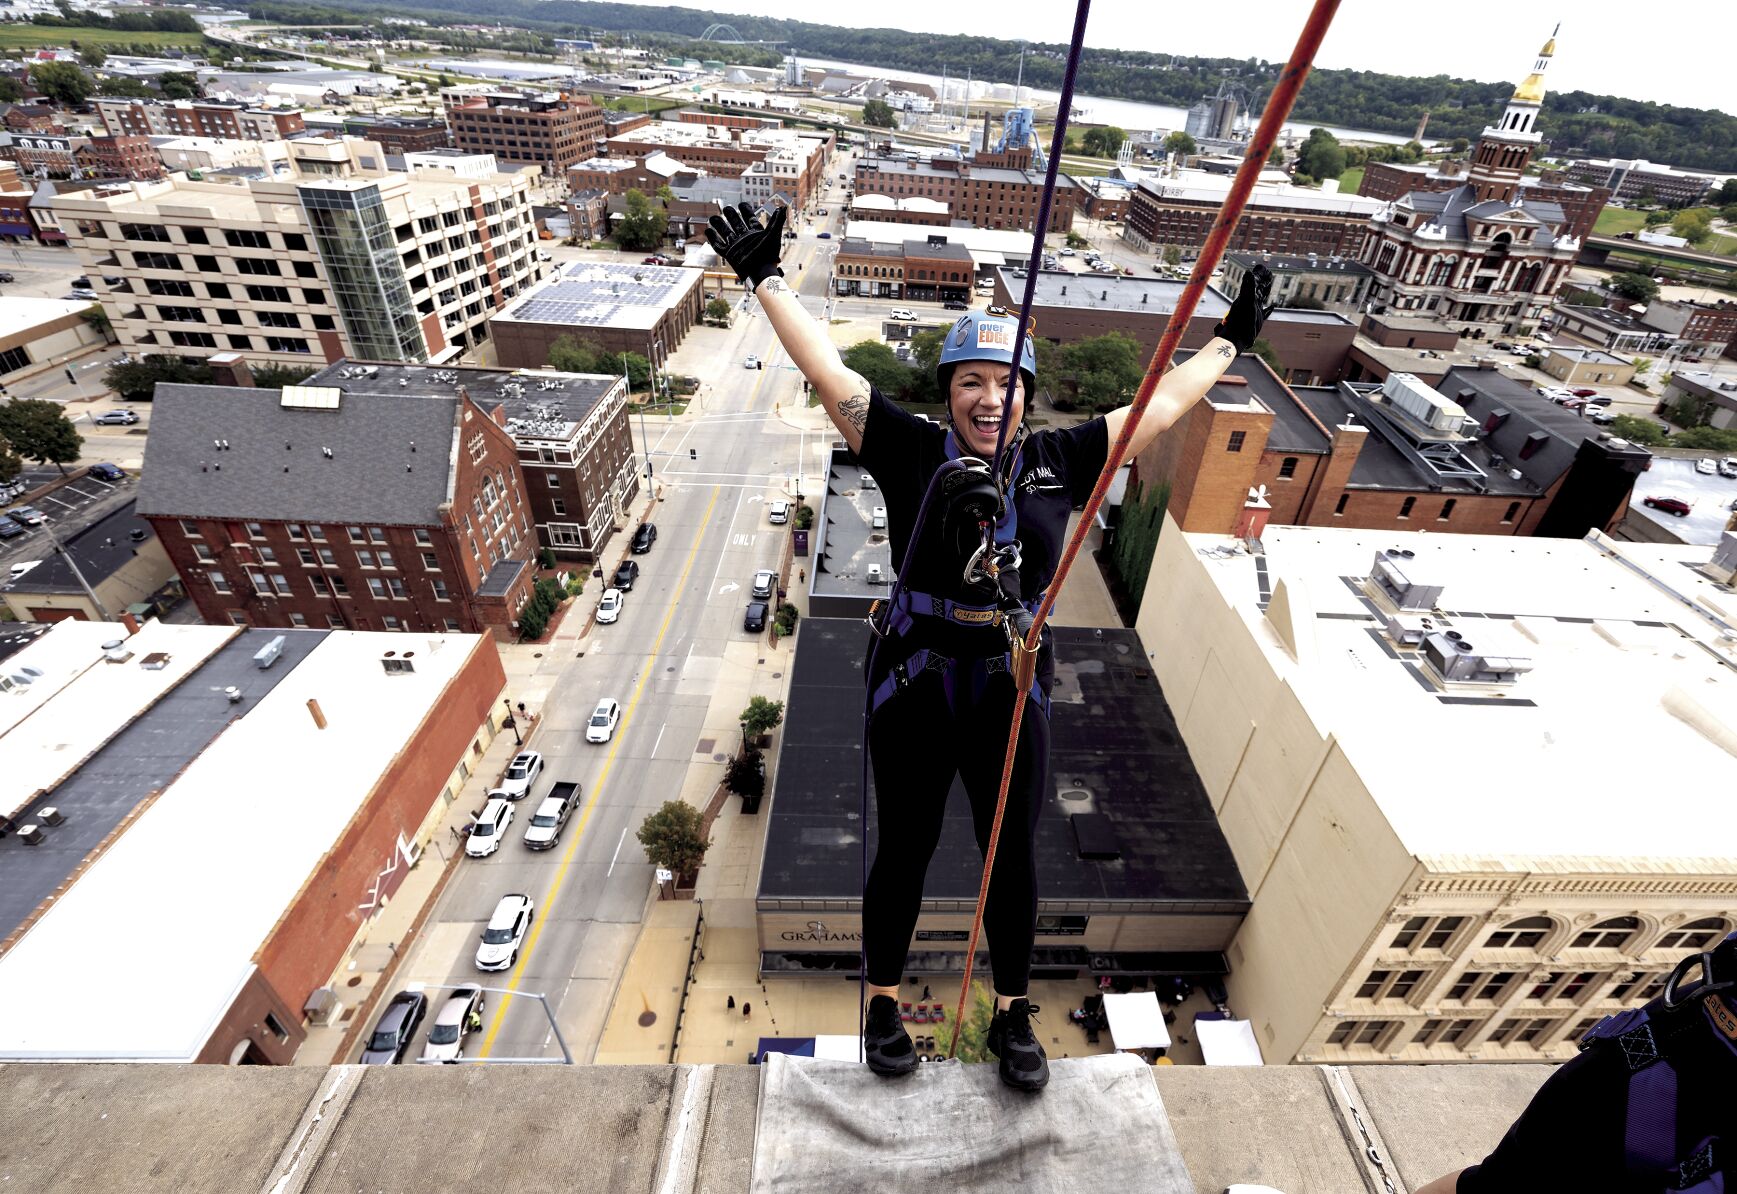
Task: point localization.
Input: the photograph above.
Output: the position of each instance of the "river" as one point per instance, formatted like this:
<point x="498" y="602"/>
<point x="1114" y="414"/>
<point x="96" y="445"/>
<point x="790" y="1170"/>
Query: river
<point x="1124" y="114"/>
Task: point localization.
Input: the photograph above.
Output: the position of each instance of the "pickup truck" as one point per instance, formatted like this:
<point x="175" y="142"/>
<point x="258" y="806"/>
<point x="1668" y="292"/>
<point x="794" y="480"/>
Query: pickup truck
<point x="550" y="819"/>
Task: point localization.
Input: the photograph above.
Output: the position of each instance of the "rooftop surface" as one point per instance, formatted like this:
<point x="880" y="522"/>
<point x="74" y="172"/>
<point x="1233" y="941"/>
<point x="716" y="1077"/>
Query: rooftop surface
<point x="236" y="452"/>
<point x="1292" y="261"/>
<point x="143" y="756"/>
<point x="1131" y="766"/>
<point x="1116" y="292"/>
<point x="603" y="294"/>
<point x="1012" y="242"/>
<point x="533" y="400"/>
<point x="21" y="314"/>
<point x="1525" y="776"/>
<point x="100" y="549"/>
<point x="1201" y="186"/>
<point x="848" y="541"/>
<point x="130" y="919"/>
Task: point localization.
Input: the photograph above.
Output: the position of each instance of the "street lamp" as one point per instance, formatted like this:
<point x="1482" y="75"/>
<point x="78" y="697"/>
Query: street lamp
<point x="512" y="722"/>
<point x="566" y="1056"/>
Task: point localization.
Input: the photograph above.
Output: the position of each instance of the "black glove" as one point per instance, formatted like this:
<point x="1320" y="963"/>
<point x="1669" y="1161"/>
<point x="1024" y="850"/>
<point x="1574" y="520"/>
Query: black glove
<point x="751" y="249"/>
<point x="1242" y="323"/>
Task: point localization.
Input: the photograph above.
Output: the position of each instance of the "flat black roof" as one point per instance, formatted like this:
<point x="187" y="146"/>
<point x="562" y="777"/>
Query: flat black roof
<point x="143" y="758"/>
<point x="101" y="549"/>
<point x="1132" y="766"/>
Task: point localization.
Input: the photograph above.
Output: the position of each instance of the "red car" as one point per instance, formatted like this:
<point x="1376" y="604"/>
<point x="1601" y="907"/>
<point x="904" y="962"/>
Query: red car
<point x="1583" y="392"/>
<point x="1669" y="505"/>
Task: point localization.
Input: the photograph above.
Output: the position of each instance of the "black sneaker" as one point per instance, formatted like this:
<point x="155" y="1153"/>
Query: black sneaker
<point x="885" y="1042"/>
<point x="1023" y="1065"/>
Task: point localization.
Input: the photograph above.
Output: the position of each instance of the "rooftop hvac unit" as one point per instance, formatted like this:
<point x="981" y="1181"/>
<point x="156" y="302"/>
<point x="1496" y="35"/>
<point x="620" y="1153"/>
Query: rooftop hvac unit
<point x="1407" y="392"/>
<point x="1389" y="575"/>
<point x="323" y="1007"/>
<point x="117" y="651"/>
<point x="874" y="575"/>
<point x="32" y="835"/>
<point x="51" y="816"/>
<point x="1456" y="661"/>
<point x="268" y="654"/>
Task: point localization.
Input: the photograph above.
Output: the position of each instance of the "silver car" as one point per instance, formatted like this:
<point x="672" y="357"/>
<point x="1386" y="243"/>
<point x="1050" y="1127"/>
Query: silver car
<point x="458" y="1017"/>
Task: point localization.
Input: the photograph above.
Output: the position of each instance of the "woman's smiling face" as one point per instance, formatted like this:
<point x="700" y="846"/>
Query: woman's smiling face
<point x="976" y="400"/>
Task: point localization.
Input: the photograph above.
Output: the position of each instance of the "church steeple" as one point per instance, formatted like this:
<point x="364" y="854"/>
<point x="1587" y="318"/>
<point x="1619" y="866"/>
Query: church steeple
<point x="1507" y="145"/>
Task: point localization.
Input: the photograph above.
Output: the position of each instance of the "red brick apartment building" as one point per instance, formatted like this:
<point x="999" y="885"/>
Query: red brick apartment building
<point x="120" y="157"/>
<point x="314" y="508"/>
<point x="197" y="118"/>
<point x="554" y="130"/>
<point x="988" y="196"/>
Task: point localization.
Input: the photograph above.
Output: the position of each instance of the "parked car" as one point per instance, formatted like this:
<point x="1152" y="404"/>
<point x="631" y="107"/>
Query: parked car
<point x="452" y="1023"/>
<point x="107" y="472"/>
<point x="1599" y="415"/>
<point x="764" y="580"/>
<point x="824" y="212"/>
<point x="30" y="516"/>
<point x="10" y="529"/>
<point x="625" y="574"/>
<point x="750" y="361"/>
<point x="1584" y="392"/>
<point x="551" y="816"/>
<point x="1065" y="252"/>
<point x="522" y="772"/>
<point x="824" y="236"/>
<point x="1598" y="400"/>
<point x="393" y="1030"/>
<point x="755" y="619"/>
<point x="1706" y="467"/>
<point x="778" y="512"/>
<point x="1728" y="467"/>
<point x="489" y="828"/>
<point x="116" y="418"/>
<point x="604" y="719"/>
<point x="609" y="609"/>
<point x="1669" y="505"/>
<point x="6" y="276"/>
<point x="901" y="313"/>
<point x="644" y="537"/>
<point x="505" y="934"/>
<point x="956" y="305"/>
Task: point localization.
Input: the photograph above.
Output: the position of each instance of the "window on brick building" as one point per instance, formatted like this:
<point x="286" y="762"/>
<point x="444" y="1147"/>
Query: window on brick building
<point x="1236" y="441"/>
<point x="1339" y="507"/>
<point x="1447" y="510"/>
<point x="1613" y="933"/>
<point x="1288" y="467"/>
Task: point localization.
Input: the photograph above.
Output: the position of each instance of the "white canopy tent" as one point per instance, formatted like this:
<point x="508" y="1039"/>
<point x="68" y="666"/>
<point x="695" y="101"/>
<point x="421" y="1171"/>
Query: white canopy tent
<point x="1227" y="1042"/>
<point x="1136" y="1021"/>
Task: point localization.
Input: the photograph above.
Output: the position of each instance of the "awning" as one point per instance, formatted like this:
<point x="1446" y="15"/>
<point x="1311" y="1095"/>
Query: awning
<point x="1136" y="1021"/>
<point x="983" y="257"/>
<point x="1227" y="1042"/>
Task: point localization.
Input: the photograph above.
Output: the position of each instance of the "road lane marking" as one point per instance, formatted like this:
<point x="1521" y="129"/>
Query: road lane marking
<point x="567" y="855"/>
<point x="623" y="836"/>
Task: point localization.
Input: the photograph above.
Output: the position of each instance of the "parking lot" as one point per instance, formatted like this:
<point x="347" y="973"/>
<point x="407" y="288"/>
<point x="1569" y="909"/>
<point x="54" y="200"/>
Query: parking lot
<point x="68" y="508"/>
<point x="1709" y="498"/>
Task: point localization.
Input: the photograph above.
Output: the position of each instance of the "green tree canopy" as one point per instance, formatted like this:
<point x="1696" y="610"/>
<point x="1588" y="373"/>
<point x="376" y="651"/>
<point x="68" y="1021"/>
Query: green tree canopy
<point x="1321" y="155"/>
<point x="92" y="56"/>
<point x="1460" y="145"/>
<point x="11" y="90"/>
<point x="643" y="225"/>
<point x="1099" y="373"/>
<point x="136" y="379"/>
<point x="1103" y="142"/>
<point x="718" y="309"/>
<point x="121" y="85"/>
<point x="62" y="82"/>
<point x="672" y="838"/>
<point x="11" y="464"/>
<point x="571" y="355"/>
<point x="879" y="114"/>
<point x="762" y="716"/>
<point x="1693" y="224"/>
<point x="178" y="84"/>
<point x="879" y="366"/>
<point x="276" y="377"/>
<point x="1635" y="287"/>
<point x="1639" y="431"/>
<point x="1727" y="192"/>
<point x="1655" y="218"/>
<point x="925" y="359"/>
<point x="39" y="430"/>
<point x="1180" y="142"/>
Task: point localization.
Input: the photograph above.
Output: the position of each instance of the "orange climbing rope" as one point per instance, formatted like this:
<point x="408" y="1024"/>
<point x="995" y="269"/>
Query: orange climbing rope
<point x="1278" y="110"/>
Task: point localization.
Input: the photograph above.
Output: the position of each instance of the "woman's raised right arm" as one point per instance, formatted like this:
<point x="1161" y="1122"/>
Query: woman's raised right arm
<point x="752" y="250"/>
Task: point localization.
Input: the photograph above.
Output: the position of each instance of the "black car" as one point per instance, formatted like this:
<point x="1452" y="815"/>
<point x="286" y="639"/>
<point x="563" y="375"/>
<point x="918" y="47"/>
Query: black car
<point x="644" y="537"/>
<point x="755" y="618"/>
<point x="956" y="305"/>
<point x="5" y="276"/>
<point x="393" y="1030"/>
<point x="625" y="575"/>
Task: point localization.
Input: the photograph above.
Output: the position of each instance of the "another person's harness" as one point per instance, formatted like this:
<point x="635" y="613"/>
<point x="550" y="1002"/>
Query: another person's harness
<point x="993" y="561"/>
<point x="1650" y="1126"/>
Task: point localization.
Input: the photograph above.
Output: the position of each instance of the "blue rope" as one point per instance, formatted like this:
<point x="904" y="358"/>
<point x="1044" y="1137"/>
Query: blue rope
<point x="1081" y="13"/>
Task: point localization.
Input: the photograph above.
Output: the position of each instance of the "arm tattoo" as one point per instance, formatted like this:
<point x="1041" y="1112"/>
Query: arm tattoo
<point x="855" y="411"/>
<point x="1225" y="350"/>
<point x="774" y="284"/>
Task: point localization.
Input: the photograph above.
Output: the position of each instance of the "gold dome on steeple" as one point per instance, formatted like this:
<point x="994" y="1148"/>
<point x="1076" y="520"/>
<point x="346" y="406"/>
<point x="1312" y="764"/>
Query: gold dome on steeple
<point x="1549" y="50"/>
<point x="1531" y="89"/>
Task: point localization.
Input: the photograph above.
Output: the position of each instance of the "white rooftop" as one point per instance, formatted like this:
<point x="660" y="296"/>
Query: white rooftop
<point x="22" y="314"/>
<point x="1011" y="242"/>
<point x="180" y="903"/>
<point x="1612" y="753"/>
<point x="51" y="726"/>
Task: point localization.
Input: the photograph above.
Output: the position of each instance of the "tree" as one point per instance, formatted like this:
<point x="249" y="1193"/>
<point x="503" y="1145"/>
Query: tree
<point x="1719" y="439"/>
<point x="92" y="56"/>
<point x="1694" y="225"/>
<point x="123" y="86"/>
<point x="99" y="320"/>
<point x="1655" y="218"/>
<point x="879" y="114"/>
<point x="1727" y="193"/>
<point x="178" y="84"/>
<point x="567" y="355"/>
<point x="1105" y="141"/>
<point x="974" y="1035"/>
<point x="761" y="716"/>
<point x="10" y="462"/>
<point x="1691" y="412"/>
<point x="925" y="359"/>
<point x="1638" y="431"/>
<point x="1263" y="349"/>
<point x="643" y="225"/>
<point x="1647" y="198"/>
<point x="11" y="90"/>
<point x="62" y="82"/>
<point x="1076" y="241"/>
<point x="1635" y="287"/>
<point x="136" y="380"/>
<point x="1098" y="373"/>
<point x="1172" y="254"/>
<point x="718" y="310"/>
<point x="877" y="365"/>
<point x="1180" y="142"/>
<point x="664" y="194"/>
<point x="1460" y="145"/>
<point x="672" y="838"/>
<point x="1277" y="156"/>
<point x="39" y="430"/>
<point x="1321" y="156"/>
<point x="746" y="775"/>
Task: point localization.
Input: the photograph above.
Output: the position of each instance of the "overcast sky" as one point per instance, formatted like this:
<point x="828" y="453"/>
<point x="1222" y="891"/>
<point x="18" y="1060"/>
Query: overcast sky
<point x="1604" y="47"/>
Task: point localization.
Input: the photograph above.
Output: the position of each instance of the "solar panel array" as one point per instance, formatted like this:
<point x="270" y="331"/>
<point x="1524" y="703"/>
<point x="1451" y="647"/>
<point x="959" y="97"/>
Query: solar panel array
<point x="595" y="295"/>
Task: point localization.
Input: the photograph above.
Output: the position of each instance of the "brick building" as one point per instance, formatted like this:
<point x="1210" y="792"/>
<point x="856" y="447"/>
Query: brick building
<point x="1279" y="218"/>
<point x="552" y="129"/>
<point x="1580" y="204"/>
<point x="617" y="176"/>
<point x="1631" y="180"/>
<point x="1704" y="328"/>
<point x="646" y="309"/>
<point x="38" y="155"/>
<point x="197" y="118"/>
<point x="29" y="118"/>
<point x="987" y="196"/>
<point x="906" y="209"/>
<point x="1334" y="281"/>
<point x="616" y="121"/>
<point x="574" y="441"/>
<point x="793" y="162"/>
<point x="1104" y="198"/>
<point x="312" y="508"/>
<point x="344" y="755"/>
<point x="1349" y="456"/>
<point x="119" y="157"/>
<point x="395" y="134"/>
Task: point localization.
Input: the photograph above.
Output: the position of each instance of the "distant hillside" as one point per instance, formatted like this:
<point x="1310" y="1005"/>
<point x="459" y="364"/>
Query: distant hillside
<point x="1575" y="121"/>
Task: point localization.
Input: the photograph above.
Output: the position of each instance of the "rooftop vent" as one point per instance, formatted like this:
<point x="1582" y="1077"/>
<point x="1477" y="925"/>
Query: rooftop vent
<point x="117" y="651"/>
<point x="1455" y="660"/>
<point x="1389" y="576"/>
<point x="268" y="654"/>
<point x="397" y="666"/>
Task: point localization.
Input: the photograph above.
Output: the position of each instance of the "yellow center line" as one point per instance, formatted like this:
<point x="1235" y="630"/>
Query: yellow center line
<point x="567" y="855"/>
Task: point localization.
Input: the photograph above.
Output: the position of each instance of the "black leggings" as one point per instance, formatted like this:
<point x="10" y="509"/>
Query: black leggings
<point x="916" y="744"/>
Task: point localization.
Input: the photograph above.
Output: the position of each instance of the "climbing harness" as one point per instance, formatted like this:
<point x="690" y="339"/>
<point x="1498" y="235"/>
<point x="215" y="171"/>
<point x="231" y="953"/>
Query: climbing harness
<point x="1641" y="1033"/>
<point x="1025" y="625"/>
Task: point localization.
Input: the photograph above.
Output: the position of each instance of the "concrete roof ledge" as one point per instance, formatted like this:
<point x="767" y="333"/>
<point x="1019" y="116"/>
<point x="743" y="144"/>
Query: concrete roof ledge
<point x="679" y="1129"/>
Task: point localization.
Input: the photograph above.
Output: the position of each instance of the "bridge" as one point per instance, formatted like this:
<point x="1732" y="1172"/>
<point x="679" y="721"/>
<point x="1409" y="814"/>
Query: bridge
<point x="717" y="31"/>
<point x="1598" y="249"/>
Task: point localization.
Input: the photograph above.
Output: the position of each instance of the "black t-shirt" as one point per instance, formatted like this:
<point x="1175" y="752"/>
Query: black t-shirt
<point x="1057" y="469"/>
<point x="1570" y="1137"/>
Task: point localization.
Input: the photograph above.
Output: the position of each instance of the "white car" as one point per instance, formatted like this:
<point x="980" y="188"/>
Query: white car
<point x="604" y="719"/>
<point x="763" y="582"/>
<point x="505" y="933"/>
<point x="1728" y="467"/>
<point x="778" y="513"/>
<point x="489" y="828"/>
<point x="1706" y="466"/>
<point x="750" y="361"/>
<point x="902" y="313"/>
<point x="609" y="609"/>
<point x="452" y="1024"/>
<point x="1065" y="252"/>
<point x="522" y="772"/>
